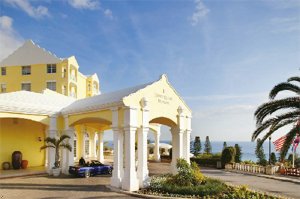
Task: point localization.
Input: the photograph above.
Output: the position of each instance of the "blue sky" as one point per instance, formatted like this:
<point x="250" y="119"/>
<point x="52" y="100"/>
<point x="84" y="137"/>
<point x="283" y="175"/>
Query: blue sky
<point x="222" y="56"/>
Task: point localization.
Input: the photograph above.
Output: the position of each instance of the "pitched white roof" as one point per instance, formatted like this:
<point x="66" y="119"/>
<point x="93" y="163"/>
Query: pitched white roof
<point x="46" y="103"/>
<point x="101" y="101"/>
<point x="29" y="54"/>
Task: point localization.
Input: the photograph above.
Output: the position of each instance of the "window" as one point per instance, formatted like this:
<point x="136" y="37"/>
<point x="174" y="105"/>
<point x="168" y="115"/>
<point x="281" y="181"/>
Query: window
<point x="75" y="146"/>
<point x="64" y="72"/>
<point x="51" y="86"/>
<point x="64" y="90"/>
<point x="86" y="144"/>
<point x="51" y="68"/>
<point x="3" y="88"/>
<point x="26" y="70"/>
<point x="26" y="87"/>
<point x="3" y="70"/>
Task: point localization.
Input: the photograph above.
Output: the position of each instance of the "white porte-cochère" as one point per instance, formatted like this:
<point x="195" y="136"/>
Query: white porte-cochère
<point x="129" y="114"/>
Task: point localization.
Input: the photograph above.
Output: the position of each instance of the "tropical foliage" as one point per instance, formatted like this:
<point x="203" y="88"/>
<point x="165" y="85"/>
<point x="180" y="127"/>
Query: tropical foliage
<point x="57" y="143"/>
<point x="278" y="113"/>
<point x="190" y="182"/>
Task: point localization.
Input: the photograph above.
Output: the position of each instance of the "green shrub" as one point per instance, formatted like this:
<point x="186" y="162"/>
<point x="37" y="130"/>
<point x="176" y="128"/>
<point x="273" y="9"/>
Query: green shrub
<point x="238" y="153"/>
<point x="199" y="178"/>
<point x="184" y="177"/>
<point x="228" y="155"/>
<point x="248" y="162"/>
<point x="273" y="159"/>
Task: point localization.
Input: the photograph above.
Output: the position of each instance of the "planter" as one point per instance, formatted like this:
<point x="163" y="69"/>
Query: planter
<point x="282" y="171"/>
<point x="24" y="164"/>
<point x="5" y="165"/>
<point x="56" y="171"/>
<point x="16" y="159"/>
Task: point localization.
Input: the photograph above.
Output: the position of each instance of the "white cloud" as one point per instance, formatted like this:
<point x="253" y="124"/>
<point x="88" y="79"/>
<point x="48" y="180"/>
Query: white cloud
<point x="9" y="39"/>
<point x="85" y="4"/>
<point x="226" y="97"/>
<point x="200" y="12"/>
<point x="108" y="13"/>
<point x="285" y="24"/>
<point x="35" y="12"/>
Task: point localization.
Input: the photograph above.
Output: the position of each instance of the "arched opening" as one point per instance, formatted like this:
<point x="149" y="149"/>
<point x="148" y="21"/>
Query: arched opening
<point x="22" y="135"/>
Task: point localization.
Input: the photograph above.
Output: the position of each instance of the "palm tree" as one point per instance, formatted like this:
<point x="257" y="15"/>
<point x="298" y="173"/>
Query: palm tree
<point x="278" y="113"/>
<point x="57" y="144"/>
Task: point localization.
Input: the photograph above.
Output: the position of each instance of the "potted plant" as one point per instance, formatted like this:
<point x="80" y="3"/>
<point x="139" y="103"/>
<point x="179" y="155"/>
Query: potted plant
<point x="57" y="143"/>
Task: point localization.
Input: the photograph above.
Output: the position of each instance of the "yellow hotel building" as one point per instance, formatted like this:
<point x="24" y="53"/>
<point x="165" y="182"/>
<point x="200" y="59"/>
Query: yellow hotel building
<point x="32" y="68"/>
<point x="46" y="96"/>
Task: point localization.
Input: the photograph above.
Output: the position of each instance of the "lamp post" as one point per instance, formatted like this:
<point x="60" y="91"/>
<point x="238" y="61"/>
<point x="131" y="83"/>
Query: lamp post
<point x="270" y="150"/>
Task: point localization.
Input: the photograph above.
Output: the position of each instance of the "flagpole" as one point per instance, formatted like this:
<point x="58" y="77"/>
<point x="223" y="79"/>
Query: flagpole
<point x="293" y="158"/>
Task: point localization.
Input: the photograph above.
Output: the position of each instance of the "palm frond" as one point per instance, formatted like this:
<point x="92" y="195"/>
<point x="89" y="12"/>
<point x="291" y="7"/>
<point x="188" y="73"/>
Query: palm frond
<point x="275" y="127"/>
<point x="293" y="115"/>
<point x="296" y="78"/>
<point x="50" y="140"/>
<point x="270" y="107"/>
<point x="284" y="87"/>
<point x="66" y="146"/>
<point x="62" y="138"/>
<point x="47" y="146"/>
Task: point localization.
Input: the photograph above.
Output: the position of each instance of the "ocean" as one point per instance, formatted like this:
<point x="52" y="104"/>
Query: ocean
<point x="248" y="148"/>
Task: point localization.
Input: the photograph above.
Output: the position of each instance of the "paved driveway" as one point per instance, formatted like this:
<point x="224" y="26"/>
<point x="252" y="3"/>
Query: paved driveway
<point x="45" y="187"/>
<point x="288" y="189"/>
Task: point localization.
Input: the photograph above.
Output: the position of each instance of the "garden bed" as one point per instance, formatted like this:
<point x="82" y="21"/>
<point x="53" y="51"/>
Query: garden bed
<point x="212" y="188"/>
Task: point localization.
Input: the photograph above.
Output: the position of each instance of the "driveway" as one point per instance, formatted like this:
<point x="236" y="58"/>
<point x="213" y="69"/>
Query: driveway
<point x="277" y="187"/>
<point x="45" y="187"/>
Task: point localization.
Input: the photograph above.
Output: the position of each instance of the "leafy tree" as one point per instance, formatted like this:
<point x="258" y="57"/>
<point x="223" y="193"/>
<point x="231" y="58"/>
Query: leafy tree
<point x="207" y="145"/>
<point x="275" y="114"/>
<point x="273" y="159"/>
<point x="57" y="143"/>
<point x="238" y="153"/>
<point x="224" y="145"/>
<point x="228" y="155"/>
<point x="197" y="146"/>
<point x="259" y="152"/>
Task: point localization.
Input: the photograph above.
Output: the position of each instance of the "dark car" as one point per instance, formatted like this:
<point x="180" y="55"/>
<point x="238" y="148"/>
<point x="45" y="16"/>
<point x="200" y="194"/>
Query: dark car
<point x="91" y="169"/>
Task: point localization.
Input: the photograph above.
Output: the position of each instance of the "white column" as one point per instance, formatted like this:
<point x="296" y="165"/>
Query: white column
<point x="116" y="178"/>
<point x="68" y="157"/>
<point x="46" y="151"/>
<point x="130" y="181"/>
<point x="52" y="133"/>
<point x="188" y="137"/>
<point x="156" y="147"/>
<point x="92" y="147"/>
<point x="100" y="153"/>
<point x="82" y="154"/>
<point x="174" y="133"/>
<point x="142" y="145"/>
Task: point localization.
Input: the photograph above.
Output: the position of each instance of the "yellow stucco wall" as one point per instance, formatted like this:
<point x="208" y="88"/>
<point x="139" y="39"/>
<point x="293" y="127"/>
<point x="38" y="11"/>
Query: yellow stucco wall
<point x="22" y="135"/>
<point x="39" y="78"/>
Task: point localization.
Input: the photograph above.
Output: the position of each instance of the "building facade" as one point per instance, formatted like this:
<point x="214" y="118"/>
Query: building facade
<point x="32" y="68"/>
<point x="27" y="118"/>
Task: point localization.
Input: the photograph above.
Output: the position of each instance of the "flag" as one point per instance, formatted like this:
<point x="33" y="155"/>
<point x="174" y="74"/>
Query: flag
<point x="296" y="142"/>
<point x="279" y="143"/>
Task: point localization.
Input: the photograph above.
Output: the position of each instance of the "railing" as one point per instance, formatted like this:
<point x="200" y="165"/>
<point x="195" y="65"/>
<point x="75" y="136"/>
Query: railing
<point x="270" y="170"/>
